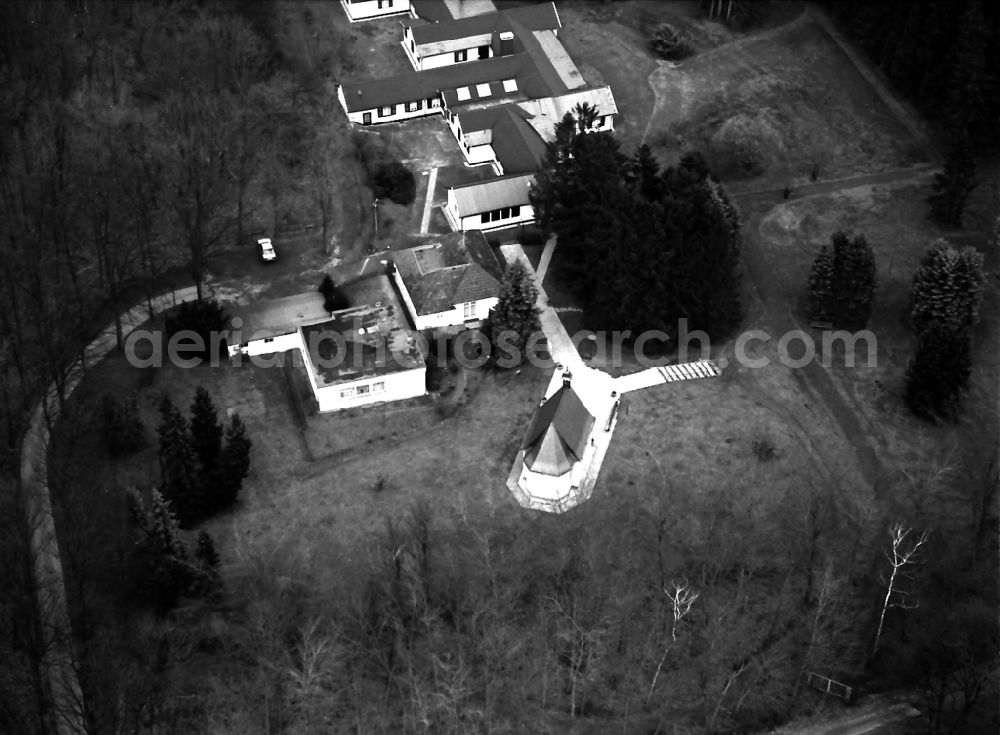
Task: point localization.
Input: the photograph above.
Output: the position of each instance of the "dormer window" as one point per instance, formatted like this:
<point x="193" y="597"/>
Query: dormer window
<point x="461" y="55"/>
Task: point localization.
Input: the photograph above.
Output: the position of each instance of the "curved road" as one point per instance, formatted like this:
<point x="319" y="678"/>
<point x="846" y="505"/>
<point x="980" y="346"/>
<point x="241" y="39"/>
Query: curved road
<point x="64" y="708"/>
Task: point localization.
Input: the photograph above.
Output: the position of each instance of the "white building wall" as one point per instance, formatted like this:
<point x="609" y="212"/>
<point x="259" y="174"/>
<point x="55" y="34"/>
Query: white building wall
<point x="435" y="61"/>
<point x="475" y="222"/>
<point x="477" y="154"/>
<point x="368" y="9"/>
<point x="455" y="317"/>
<point x="427" y="107"/>
<point x="267" y="345"/>
<point x="394" y="387"/>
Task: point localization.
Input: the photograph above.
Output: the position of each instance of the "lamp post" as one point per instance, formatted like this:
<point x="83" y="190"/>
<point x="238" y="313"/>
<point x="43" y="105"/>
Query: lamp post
<point x="375" y="209"/>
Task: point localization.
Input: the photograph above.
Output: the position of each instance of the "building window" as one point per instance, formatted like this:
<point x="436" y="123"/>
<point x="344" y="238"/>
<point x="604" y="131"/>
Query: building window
<point x="413" y="46"/>
<point x="515" y="211"/>
<point x="469" y="310"/>
<point x="505" y="213"/>
<point x="384" y="3"/>
<point x="413" y="106"/>
<point x="268" y="339"/>
<point x="363" y="390"/>
<point x="347" y="393"/>
<point x="461" y="55"/>
<point x="463" y="94"/>
<point x="387" y="111"/>
<point x="483" y="90"/>
<point x="602" y="121"/>
<point x="485" y="217"/>
<point x="378" y="387"/>
<point x="434" y="103"/>
<point x="510" y="85"/>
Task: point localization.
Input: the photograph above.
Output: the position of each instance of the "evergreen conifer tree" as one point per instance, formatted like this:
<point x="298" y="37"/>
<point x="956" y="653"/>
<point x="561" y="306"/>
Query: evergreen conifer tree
<point x="179" y="465"/>
<point x="821" y="280"/>
<point x="842" y="282"/>
<point x="515" y="315"/>
<point x="939" y="373"/>
<point x="163" y="573"/>
<point x="206" y="431"/>
<point x="123" y="430"/>
<point x="234" y="462"/>
<point x="947" y="288"/>
<point x="953" y="185"/>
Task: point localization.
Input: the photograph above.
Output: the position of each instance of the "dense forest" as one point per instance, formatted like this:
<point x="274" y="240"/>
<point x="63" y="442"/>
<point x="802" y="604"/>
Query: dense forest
<point x="943" y="56"/>
<point x="139" y="140"/>
<point x="641" y="248"/>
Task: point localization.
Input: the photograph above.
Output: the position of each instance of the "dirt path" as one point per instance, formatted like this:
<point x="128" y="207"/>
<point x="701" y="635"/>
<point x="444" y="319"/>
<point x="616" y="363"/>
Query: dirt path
<point x="771" y="295"/>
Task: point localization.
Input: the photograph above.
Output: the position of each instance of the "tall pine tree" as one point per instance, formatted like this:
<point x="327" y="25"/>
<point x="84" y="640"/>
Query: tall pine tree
<point x="179" y="465"/>
<point x="947" y="288"/>
<point x="842" y="282"/>
<point x="206" y="431"/>
<point x="938" y="376"/>
<point x="234" y="462"/>
<point x="953" y="185"/>
<point x="640" y="249"/>
<point x="162" y="571"/>
<point x="515" y="316"/>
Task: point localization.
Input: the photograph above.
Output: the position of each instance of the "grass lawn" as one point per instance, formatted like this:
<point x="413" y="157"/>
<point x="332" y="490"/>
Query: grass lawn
<point x="798" y="84"/>
<point x="792" y="78"/>
<point x="893" y="218"/>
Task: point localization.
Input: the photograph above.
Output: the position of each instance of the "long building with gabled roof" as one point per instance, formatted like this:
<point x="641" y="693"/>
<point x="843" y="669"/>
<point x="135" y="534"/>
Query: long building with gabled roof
<point x="502" y="80"/>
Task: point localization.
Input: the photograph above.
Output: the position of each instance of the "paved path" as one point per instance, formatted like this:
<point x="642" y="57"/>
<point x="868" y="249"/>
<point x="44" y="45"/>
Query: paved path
<point x="425" y="221"/>
<point x="50" y="588"/>
<point x="598" y="391"/>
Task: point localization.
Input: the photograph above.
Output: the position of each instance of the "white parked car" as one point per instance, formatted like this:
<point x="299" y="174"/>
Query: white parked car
<point x="267" y="253"/>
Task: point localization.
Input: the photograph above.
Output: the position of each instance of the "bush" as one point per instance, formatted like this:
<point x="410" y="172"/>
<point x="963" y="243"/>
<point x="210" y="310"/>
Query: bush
<point x="668" y="43"/>
<point x="394" y="181"/>
<point x="204" y="318"/>
<point x="740" y="144"/>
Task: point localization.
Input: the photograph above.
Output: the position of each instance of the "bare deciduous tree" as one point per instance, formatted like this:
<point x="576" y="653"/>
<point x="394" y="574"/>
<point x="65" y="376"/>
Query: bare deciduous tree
<point x="900" y="556"/>
<point x="682" y="598"/>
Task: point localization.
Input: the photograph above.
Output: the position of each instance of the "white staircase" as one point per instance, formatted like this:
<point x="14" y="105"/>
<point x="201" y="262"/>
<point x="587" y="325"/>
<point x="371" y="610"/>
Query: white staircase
<point x="689" y="371"/>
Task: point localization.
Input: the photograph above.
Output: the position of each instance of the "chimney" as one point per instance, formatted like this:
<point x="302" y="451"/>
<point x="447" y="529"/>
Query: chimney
<point x="506" y="44"/>
<point x="567" y="378"/>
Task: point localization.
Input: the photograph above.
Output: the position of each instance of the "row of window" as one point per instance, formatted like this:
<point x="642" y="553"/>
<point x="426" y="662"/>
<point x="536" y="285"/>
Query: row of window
<point x="432" y="103"/>
<point x="363" y="390"/>
<point x="499" y="214"/>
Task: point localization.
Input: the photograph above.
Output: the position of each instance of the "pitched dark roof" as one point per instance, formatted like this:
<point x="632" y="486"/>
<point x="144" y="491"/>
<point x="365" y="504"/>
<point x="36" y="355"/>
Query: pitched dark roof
<point x="431" y="10"/>
<point x="557" y="435"/>
<point x="517" y="146"/>
<point x="459" y="269"/>
<point x="531" y="17"/>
